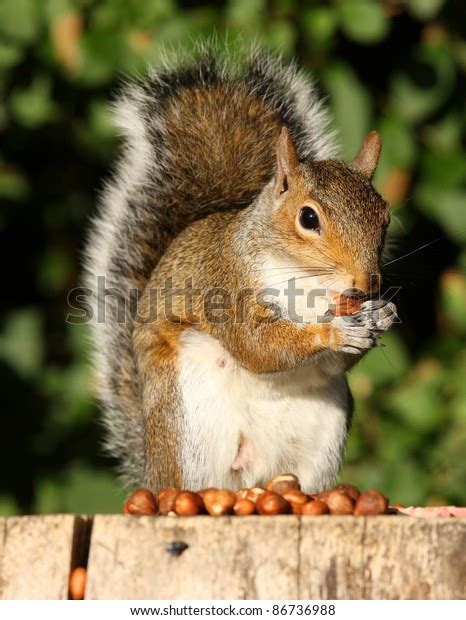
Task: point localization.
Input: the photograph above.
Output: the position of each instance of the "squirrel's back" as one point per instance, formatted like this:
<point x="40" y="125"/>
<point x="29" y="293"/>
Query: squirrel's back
<point x="199" y="138"/>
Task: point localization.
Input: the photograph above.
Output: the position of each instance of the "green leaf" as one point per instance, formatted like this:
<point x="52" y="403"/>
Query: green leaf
<point x="446" y="206"/>
<point x="10" y="55"/>
<point x="399" y="148"/>
<point x="399" y="143"/>
<point x="13" y="184"/>
<point x="71" y="398"/>
<point x="459" y="52"/>
<point x="382" y="366"/>
<point x="8" y="506"/>
<point x="444" y="169"/>
<point x="55" y="269"/>
<point x="403" y="481"/>
<point x="397" y="442"/>
<point x="19" y="19"/>
<point x="419" y="402"/>
<point x="152" y="13"/>
<point x="97" y="134"/>
<point x="420" y="89"/>
<point x="33" y="106"/>
<point x="245" y="14"/>
<point x="448" y="463"/>
<point x="21" y="342"/>
<point x="445" y="135"/>
<point x="81" y="490"/>
<point x="364" y="21"/>
<point x="461" y="262"/>
<point x="57" y="8"/>
<point x="351" y="106"/>
<point x="458" y="385"/>
<point x="453" y="298"/>
<point x="320" y="24"/>
<point x="281" y="36"/>
<point x="102" y="54"/>
<point x="425" y="9"/>
<point x="101" y="120"/>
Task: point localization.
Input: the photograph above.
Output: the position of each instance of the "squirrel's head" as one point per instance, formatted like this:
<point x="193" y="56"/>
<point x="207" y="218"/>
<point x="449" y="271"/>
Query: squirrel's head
<point x="328" y="218"/>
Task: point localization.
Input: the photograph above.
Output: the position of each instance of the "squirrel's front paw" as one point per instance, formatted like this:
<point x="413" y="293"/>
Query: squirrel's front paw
<point x="361" y="331"/>
<point x="377" y="314"/>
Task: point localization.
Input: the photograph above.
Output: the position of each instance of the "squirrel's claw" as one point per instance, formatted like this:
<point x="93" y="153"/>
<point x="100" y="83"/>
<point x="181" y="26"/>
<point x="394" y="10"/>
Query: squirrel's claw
<point x="361" y="331"/>
<point x="377" y="314"/>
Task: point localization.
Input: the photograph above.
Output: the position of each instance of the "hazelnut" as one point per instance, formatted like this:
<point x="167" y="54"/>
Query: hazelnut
<point x="254" y="493"/>
<point x="271" y="503"/>
<point x="322" y="496"/>
<point x="141" y="502"/>
<point x="188" y="504"/>
<point x="166" y="499"/>
<point x="202" y="492"/>
<point x="77" y="583"/>
<point x="242" y="494"/>
<point x="371" y="502"/>
<point x="346" y="305"/>
<point x="296" y="498"/>
<point x="282" y="484"/>
<point x="349" y="489"/>
<point x="219" y="502"/>
<point x="340" y="503"/>
<point x="244" y="508"/>
<point x="315" y="507"/>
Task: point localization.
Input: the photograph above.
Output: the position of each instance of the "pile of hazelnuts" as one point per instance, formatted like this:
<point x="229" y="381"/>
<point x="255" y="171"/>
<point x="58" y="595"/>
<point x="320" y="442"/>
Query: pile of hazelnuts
<point x="282" y="495"/>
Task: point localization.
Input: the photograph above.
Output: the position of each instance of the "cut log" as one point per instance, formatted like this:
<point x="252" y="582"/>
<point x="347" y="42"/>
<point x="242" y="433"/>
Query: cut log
<point x="282" y="557"/>
<point x="37" y="555"/>
<point x="383" y="558"/>
<point x="2" y="540"/>
<point x="224" y="558"/>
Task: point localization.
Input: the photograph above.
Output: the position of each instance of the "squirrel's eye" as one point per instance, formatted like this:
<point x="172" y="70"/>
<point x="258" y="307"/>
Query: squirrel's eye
<point x="309" y="219"/>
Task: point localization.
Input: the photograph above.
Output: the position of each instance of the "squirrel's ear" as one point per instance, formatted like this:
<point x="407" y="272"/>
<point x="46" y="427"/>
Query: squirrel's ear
<point x="287" y="160"/>
<point x="367" y="158"/>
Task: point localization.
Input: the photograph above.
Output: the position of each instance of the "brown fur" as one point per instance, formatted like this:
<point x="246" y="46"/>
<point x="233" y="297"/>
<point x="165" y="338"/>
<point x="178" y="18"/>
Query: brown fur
<point x="188" y="201"/>
<point x="199" y="122"/>
<point x="157" y="350"/>
<point x="354" y="219"/>
<point x="214" y="252"/>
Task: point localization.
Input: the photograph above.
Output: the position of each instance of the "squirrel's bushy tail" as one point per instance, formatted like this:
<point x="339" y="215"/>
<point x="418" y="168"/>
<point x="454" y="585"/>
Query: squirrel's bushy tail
<point x="199" y="138"/>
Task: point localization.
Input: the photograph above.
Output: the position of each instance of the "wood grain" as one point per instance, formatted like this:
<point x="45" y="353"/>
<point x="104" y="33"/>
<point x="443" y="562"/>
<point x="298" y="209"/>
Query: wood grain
<point x="415" y="558"/>
<point x="226" y="558"/>
<point x="2" y="539"/>
<point x="332" y="564"/>
<point x="283" y="557"/>
<point x="37" y="554"/>
<point x="382" y="558"/>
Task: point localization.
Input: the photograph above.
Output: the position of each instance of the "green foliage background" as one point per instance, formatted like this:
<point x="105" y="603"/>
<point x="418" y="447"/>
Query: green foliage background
<point x="395" y="65"/>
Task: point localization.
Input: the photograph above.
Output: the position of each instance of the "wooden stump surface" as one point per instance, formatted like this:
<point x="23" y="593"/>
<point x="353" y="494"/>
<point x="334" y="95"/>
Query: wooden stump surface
<point x="36" y="557"/>
<point x="283" y="557"/>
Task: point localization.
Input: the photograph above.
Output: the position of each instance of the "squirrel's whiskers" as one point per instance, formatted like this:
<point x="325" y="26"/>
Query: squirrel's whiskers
<point x="229" y="179"/>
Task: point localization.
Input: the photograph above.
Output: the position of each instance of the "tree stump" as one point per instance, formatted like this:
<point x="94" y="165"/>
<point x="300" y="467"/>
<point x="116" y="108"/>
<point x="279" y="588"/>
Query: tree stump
<point x="283" y="557"/>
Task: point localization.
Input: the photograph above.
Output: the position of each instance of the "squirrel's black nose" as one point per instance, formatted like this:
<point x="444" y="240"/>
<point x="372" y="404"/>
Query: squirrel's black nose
<point x="355" y="292"/>
<point x="366" y="284"/>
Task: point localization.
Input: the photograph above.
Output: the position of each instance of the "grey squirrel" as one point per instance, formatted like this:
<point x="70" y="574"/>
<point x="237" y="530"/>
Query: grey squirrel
<point x="227" y="195"/>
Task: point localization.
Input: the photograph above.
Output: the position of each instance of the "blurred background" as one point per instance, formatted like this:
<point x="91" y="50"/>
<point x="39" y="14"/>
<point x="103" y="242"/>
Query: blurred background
<point x="395" y="65"/>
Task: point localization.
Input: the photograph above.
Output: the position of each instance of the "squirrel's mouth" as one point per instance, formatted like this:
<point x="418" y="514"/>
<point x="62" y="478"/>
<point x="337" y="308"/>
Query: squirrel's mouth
<point x="357" y="294"/>
<point x="346" y="303"/>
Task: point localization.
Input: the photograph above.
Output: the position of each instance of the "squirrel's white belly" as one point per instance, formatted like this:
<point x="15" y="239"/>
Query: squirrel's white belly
<point x="240" y="429"/>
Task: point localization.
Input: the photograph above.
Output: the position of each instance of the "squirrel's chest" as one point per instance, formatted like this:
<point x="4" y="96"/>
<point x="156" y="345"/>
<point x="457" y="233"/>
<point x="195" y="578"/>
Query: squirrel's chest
<point x="240" y="429"/>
